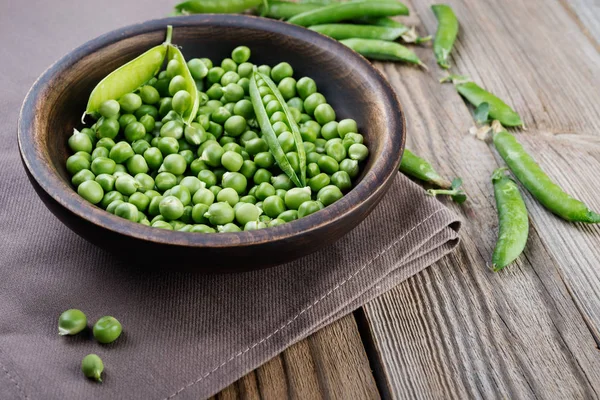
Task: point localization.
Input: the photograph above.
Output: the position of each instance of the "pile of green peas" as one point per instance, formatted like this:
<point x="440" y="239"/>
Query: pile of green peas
<point x="141" y="162"/>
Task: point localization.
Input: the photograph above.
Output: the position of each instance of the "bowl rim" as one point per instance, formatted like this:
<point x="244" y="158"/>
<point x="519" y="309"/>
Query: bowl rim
<point x="384" y="168"/>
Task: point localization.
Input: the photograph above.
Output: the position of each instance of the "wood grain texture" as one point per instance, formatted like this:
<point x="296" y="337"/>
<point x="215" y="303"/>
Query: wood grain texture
<point x="330" y="364"/>
<point x="458" y="330"/>
<point x="587" y="14"/>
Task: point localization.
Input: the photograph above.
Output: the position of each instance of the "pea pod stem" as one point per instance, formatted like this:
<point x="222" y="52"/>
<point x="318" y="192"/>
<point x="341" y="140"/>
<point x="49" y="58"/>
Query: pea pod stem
<point x="535" y="180"/>
<point x="348" y="11"/>
<point x="446" y="33"/>
<point x="513" y="228"/>
<point x="476" y="95"/>
<point x="383" y="50"/>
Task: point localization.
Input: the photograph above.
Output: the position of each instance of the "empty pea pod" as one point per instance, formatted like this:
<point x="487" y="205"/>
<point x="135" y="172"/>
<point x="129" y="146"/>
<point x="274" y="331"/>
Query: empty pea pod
<point x="531" y="175"/>
<point x="129" y="77"/>
<point x="267" y="130"/>
<point x="189" y="114"/>
<point x="216" y="6"/>
<point x="446" y="33"/>
<point x="348" y="11"/>
<point x="476" y="95"/>
<point x="350" y="31"/>
<point x="383" y="50"/>
<point x="513" y="228"/>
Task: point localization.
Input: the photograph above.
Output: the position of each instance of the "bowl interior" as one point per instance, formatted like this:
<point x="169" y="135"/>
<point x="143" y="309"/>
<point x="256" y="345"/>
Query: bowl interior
<point x="350" y="84"/>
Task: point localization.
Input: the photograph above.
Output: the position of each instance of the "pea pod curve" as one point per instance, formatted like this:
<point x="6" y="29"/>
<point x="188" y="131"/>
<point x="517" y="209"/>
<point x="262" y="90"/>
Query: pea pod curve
<point x="531" y="175"/>
<point x="129" y="77"/>
<point x="268" y="132"/>
<point x="446" y="33"/>
<point x="348" y="11"/>
<point x="513" y="228"/>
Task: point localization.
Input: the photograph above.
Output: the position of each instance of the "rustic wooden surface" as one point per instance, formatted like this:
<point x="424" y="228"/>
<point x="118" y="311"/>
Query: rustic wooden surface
<point x="457" y="330"/>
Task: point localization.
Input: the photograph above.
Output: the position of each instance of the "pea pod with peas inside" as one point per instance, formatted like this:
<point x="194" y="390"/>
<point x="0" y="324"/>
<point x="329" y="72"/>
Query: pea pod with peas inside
<point x="267" y="129"/>
<point x="349" y="10"/>
<point x="409" y="35"/>
<point x="129" y="77"/>
<point x="513" y="228"/>
<point x="351" y="31"/>
<point x="531" y="175"/>
<point x="187" y="91"/>
<point x="476" y="95"/>
<point x="216" y="6"/>
<point x="446" y="33"/>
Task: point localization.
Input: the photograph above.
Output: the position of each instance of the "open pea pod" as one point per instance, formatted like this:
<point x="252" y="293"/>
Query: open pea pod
<point x="269" y="134"/>
<point x="292" y="124"/>
<point x="190" y="84"/>
<point x="129" y="77"/>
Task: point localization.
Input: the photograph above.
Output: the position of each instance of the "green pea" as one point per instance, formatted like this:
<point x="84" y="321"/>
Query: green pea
<point x="347" y="126"/>
<point x="114" y="204"/>
<point x="319" y="182"/>
<point x="220" y="115"/>
<point x="197" y="68"/>
<point x="246" y="212"/>
<point x="229" y="77"/>
<point x="305" y="87"/>
<point x="91" y="191"/>
<point x="212" y="155"/>
<point x="153" y="157"/>
<point x="203" y="196"/>
<point x="140" y="146"/>
<point x="235" y="125"/>
<point x="107" y="329"/>
<point x="71" y="322"/>
<point x="174" y="68"/>
<point x="313" y="101"/>
<point x="149" y="94"/>
<point x="171" y="208"/>
<point x="121" y="152"/>
<point x="154" y="206"/>
<point x="352" y="138"/>
<point x="255" y="146"/>
<point x="296" y="196"/>
<point x="358" y="152"/>
<point x="127" y="211"/>
<point x="214" y="74"/>
<point x="201" y="228"/>
<point x="182" y="193"/>
<point x="264" y="190"/>
<point x="246" y="137"/>
<point x="208" y="177"/>
<point x="92" y="367"/>
<point x="282" y="181"/>
<point x="245" y="69"/>
<point x="312" y="170"/>
<point x="126" y="119"/>
<point x="254" y="225"/>
<point x="192" y="184"/>
<point x="162" y="225"/>
<point x="175" y="164"/>
<point x="244" y="109"/>
<point x="228" y="228"/>
<point x="281" y="71"/>
<point x="350" y="167"/>
<point x="172" y="129"/>
<point x="264" y="69"/>
<point x="232" y="161"/>
<point x="342" y="180"/>
<point x="297" y="103"/>
<point x="164" y="106"/>
<point x="337" y="151"/>
<point x="127" y="185"/>
<point x="272" y="107"/>
<point x="240" y="54"/>
<point x="329" y="195"/>
<point x="146" y="110"/>
<point x="324" y="114"/>
<point x="109" y="109"/>
<point x="262" y="175"/>
<point x="287" y="141"/>
<point x="106" y="143"/>
<point x="273" y="206"/>
<point x="106" y="181"/>
<point x="276" y="222"/>
<point x="233" y="92"/>
<point x="228" y="106"/>
<point x="120" y="168"/>
<point x="107" y="128"/>
<point x="294" y="160"/>
<point x="182" y="101"/>
<point x="228" y="65"/>
<point x="165" y="181"/>
<point x="130" y="102"/>
<point x="140" y="201"/>
<point x="82" y="176"/>
<point x="309" y="207"/>
<point x="264" y="159"/>
<point x="248" y="199"/>
<point x="278" y="116"/>
<point x="215" y="92"/>
<point x="228" y="195"/>
<point x="220" y="214"/>
<point x="151" y="193"/>
<point x="135" y="131"/>
<point x="109" y="198"/>
<point x="328" y="165"/>
<point x="99" y="152"/>
<point x="236" y="181"/>
<point x="146" y="181"/>
<point x="330" y="130"/>
<point x="177" y="83"/>
<point x="248" y="169"/>
<point x="168" y="145"/>
<point x="80" y="142"/>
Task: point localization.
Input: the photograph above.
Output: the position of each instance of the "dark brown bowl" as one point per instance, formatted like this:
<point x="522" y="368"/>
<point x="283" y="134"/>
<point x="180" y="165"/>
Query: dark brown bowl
<point x="55" y="103"/>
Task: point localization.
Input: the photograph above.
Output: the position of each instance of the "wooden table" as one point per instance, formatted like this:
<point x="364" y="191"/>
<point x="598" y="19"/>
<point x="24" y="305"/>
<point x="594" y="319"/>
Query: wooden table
<point x="457" y="330"/>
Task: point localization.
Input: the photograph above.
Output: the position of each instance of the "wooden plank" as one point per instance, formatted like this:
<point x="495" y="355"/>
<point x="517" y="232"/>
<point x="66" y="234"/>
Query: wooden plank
<point x="587" y="14"/>
<point x="458" y="330"/>
<point x="330" y="364"/>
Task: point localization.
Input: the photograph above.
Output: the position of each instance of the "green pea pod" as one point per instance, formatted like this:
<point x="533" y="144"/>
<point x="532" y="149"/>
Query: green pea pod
<point x="476" y="95"/>
<point x="293" y="126"/>
<point x="348" y="11"/>
<point x="383" y="50"/>
<point x="190" y="84"/>
<point x="216" y="6"/>
<point x="409" y="36"/>
<point x="268" y="133"/>
<point x="350" y="31"/>
<point x="529" y="173"/>
<point x="446" y="33"/>
<point x="417" y="167"/>
<point x="129" y="77"/>
<point x="513" y="227"/>
<point x="285" y="9"/>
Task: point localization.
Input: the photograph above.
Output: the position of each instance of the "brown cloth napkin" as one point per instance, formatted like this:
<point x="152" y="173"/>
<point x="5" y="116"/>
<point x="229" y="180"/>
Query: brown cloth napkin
<point x="186" y="336"/>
